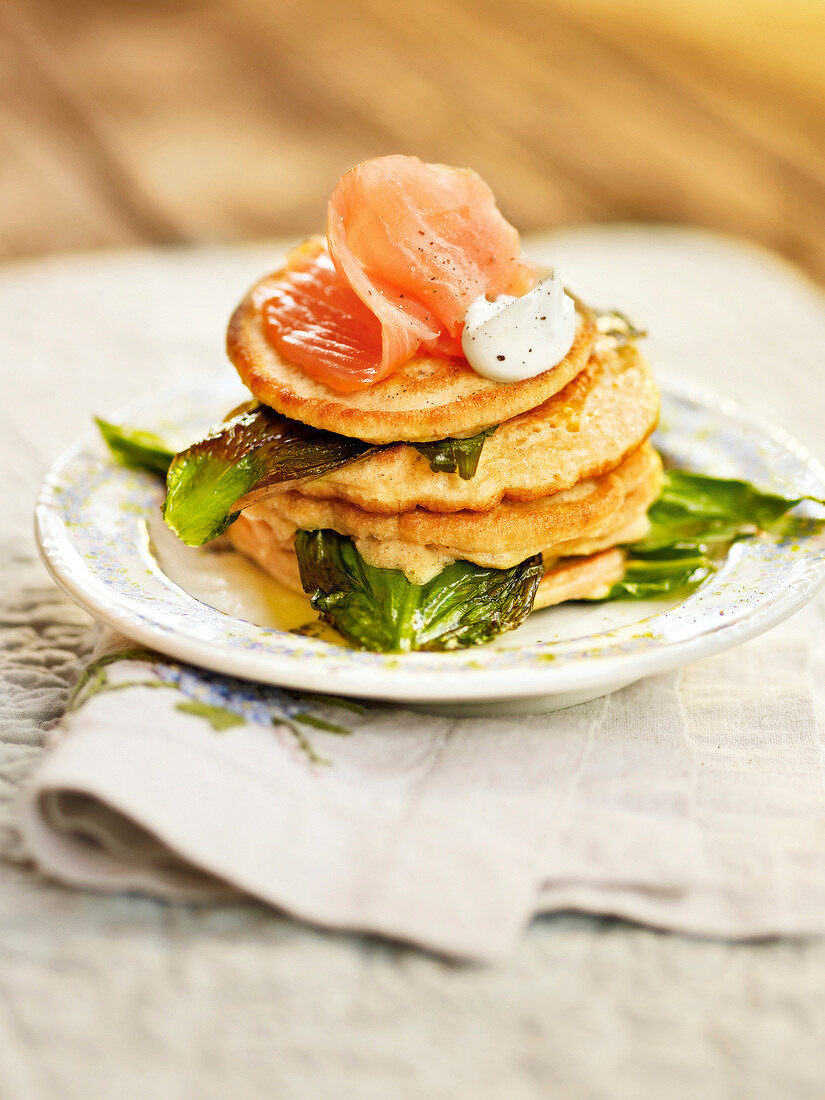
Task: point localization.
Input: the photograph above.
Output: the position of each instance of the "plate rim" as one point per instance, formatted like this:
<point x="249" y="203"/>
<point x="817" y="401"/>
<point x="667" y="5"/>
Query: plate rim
<point x="395" y="677"/>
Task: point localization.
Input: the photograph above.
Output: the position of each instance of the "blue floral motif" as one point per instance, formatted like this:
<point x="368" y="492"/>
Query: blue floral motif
<point x="223" y="701"/>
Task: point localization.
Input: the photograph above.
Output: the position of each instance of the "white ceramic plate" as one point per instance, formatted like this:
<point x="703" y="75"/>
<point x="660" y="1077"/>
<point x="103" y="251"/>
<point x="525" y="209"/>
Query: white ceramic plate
<point x="100" y="535"/>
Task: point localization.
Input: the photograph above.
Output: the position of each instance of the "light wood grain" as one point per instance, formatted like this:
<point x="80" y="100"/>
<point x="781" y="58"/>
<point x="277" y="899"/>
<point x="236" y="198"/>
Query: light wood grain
<point x="127" y="122"/>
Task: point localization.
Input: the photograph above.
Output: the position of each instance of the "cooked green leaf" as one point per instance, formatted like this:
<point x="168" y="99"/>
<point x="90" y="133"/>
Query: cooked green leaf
<point x="254" y="450"/>
<point x="659" y="573"/>
<point x="449" y="456"/>
<point x="613" y="323"/>
<point x="136" y="449"/>
<point x="696" y="508"/>
<point x="691" y="521"/>
<point x="380" y="609"/>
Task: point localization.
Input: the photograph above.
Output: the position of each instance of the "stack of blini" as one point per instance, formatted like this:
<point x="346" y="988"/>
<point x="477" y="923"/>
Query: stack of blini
<point x="568" y="472"/>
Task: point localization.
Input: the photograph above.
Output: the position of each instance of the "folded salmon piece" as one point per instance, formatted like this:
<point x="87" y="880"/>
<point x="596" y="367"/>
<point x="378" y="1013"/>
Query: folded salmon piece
<point x="410" y="245"/>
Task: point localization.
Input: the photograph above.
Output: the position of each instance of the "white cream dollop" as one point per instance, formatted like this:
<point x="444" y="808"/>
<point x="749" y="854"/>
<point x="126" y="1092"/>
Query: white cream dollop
<point x="510" y="338"/>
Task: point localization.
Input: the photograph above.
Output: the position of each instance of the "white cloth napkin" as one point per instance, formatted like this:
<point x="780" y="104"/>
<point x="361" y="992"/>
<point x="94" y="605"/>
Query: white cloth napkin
<point x="693" y="801"/>
<point x="653" y="803"/>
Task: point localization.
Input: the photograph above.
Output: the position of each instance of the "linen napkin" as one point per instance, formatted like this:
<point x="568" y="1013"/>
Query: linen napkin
<point x="653" y="803"/>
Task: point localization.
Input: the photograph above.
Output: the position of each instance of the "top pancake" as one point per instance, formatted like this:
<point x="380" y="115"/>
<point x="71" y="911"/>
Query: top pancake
<point x="428" y="398"/>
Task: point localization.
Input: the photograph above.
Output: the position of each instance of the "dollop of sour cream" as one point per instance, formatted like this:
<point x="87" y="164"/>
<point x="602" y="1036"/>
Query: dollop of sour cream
<point x="510" y="339"/>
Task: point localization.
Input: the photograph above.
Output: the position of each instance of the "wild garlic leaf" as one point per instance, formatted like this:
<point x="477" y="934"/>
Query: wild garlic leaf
<point x="619" y="326"/>
<point x="693" y="519"/>
<point x="449" y="456"/>
<point x="694" y="508"/>
<point x="660" y="573"/>
<point x="136" y="449"/>
<point x="254" y="450"/>
<point x="381" y="610"/>
<point x="248" y="454"/>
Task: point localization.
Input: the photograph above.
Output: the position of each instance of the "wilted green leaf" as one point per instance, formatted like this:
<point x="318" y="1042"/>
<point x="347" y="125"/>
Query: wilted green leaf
<point x="613" y="323"/>
<point x="691" y="521"/>
<point x="254" y="450"/>
<point x="696" y="508"/>
<point x="137" y="449"/>
<point x="380" y="609"/>
<point x="449" y="456"/>
<point x="660" y="573"/>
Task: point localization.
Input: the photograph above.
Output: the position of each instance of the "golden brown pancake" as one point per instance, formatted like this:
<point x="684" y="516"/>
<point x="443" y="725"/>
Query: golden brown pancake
<point x="594" y="516"/>
<point x="254" y="538"/>
<point x="568" y="578"/>
<point x="428" y="398"/>
<point x="576" y="578"/>
<point x="583" y="511"/>
<point x="607" y="411"/>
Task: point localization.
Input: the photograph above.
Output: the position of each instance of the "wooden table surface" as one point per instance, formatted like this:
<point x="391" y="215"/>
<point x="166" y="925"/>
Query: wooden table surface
<point x="147" y="121"/>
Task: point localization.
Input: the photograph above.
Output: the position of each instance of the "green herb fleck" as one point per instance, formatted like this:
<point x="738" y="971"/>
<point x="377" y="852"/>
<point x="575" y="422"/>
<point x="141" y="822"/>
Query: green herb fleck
<point x="613" y="323"/>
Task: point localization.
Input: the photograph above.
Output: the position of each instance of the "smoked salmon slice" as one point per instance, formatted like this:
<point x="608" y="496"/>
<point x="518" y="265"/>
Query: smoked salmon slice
<point x="314" y="319"/>
<point x="410" y="245"/>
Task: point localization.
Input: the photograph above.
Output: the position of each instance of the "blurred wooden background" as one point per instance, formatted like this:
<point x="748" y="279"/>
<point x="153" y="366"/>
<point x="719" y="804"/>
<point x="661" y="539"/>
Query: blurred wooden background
<point x="142" y="121"/>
